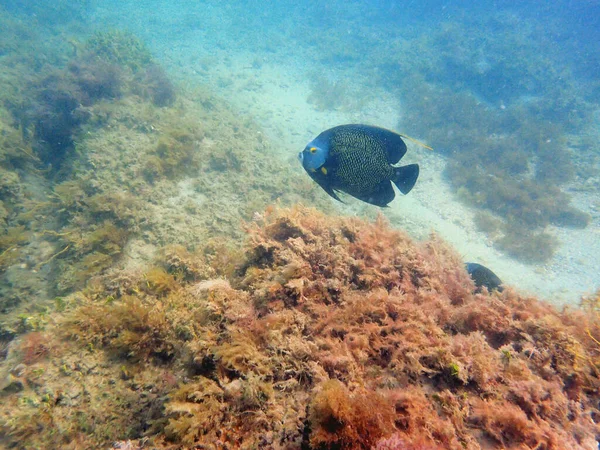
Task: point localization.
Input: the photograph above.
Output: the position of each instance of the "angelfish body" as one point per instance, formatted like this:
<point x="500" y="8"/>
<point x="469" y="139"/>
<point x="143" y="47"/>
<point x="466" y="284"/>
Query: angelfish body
<point x="483" y="277"/>
<point x="358" y="160"/>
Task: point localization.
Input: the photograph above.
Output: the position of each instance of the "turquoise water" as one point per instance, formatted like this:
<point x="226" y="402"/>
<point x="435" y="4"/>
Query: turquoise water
<point x="139" y="140"/>
<point x="506" y="95"/>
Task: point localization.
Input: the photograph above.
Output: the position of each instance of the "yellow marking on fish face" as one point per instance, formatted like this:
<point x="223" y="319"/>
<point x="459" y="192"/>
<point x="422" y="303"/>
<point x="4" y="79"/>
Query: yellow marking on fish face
<point x="313" y="149"/>
<point x="324" y="170"/>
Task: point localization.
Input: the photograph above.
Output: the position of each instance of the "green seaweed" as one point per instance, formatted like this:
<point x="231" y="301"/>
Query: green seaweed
<point x="496" y="166"/>
<point x="119" y="47"/>
<point x="175" y="155"/>
<point x="504" y="124"/>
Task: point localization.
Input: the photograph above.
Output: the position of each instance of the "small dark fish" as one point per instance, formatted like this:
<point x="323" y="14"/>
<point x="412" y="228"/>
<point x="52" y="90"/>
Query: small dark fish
<point x="482" y="276"/>
<point x="357" y="159"/>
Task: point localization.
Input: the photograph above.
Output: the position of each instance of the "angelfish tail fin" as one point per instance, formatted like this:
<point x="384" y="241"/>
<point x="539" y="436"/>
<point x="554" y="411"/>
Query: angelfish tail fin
<point x="405" y="177"/>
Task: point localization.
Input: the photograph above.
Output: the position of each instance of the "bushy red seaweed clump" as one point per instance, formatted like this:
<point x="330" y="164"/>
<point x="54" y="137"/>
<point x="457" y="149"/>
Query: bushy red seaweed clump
<point x="331" y="333"/>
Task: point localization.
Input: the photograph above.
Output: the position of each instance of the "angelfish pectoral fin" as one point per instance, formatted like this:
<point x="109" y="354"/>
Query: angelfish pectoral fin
<point x="322" y="180"/>
<point x="405" y="177"/>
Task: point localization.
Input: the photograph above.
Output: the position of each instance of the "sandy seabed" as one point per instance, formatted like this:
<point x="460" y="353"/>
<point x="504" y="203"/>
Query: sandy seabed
<point x="275" y="95"/>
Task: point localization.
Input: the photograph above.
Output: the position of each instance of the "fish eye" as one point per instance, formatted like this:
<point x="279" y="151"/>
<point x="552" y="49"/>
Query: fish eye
<point x="313" y="149"/>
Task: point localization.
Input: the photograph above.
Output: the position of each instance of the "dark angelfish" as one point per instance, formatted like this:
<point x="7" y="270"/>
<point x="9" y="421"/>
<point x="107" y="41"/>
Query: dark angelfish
<point x="358" y="160"/>
<point x="482" y="276"/>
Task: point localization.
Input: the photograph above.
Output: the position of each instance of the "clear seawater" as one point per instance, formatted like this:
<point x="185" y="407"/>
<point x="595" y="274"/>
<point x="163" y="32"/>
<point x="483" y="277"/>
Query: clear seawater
<point x="276" y="60"/>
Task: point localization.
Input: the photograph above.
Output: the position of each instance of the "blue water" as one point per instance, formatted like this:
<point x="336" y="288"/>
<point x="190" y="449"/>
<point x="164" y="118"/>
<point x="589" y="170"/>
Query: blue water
<point x="535" y="60"/>
<point x="506" y="92"/>
<point x="366" y="37"/>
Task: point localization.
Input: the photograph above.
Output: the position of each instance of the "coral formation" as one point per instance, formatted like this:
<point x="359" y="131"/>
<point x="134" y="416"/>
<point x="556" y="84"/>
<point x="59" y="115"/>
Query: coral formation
<point x="328" y="334"/>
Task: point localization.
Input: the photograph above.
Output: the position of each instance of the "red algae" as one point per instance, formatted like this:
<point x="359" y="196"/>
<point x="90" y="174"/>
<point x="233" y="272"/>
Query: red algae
<point x="332" y="333"/>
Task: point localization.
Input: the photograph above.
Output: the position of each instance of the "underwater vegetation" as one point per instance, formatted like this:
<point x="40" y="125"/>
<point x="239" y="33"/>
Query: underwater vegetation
<point x="106" y="67"/>
<point x="103" y="162"/>
<point x="318" y="333"/>
<point x="153" y="83"/>
<point x="175" y="155"/>
<point x="498" y="165"/>
<point x="321" y="333"/>
<point x="503" y="111"/>
<point x="60" y="223"/>
<point x="121" y="48"/>
<point x="58" y="111"/>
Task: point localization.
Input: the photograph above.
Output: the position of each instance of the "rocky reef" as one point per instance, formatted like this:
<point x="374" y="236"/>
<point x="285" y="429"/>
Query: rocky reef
<point x="103" y="162"/>
<point x="320" y="333"/>
<point x="148" y="302"/>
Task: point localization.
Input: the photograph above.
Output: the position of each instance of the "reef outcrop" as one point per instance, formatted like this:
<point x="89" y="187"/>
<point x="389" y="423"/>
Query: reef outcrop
<point x="321" y="333"/>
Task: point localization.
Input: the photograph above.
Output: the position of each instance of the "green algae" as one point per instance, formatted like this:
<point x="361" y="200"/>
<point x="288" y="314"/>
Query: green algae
<point x="119" y="47"/>
<point x="140" y="169"/>
<point x="505" y="126"/>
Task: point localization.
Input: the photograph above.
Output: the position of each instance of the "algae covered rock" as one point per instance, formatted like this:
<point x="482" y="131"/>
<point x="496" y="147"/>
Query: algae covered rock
<point x="322" y="333"/>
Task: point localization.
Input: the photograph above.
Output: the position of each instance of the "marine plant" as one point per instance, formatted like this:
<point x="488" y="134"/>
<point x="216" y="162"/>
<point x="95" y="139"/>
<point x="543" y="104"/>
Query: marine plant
<point x="331" y="333"/>
<point x="10" y="240"/>
<point x="61" y="223"/>
<point x="58" y="100"/>
<point x="41" y="141"/>
<point x="34" y="347"/>
<point x="494" y="166"/>
<point x="96" y="80"/>
<point x="54" y="118"/>
<point x="119" y="47"/>
<point x="153" y="83"/>
<point x="82" y="255"/>
<point x="591" y="305"/>
<point x="343" y="420"/>
<point x="176" y="154"/>
<point x="15" y="152"/>
<point x="504" y="124"/>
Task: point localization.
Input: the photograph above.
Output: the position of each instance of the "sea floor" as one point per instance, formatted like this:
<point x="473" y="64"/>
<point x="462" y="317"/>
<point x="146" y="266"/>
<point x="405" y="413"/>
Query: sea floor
<point x="278" y="102"/>
<point x="272" y="87"/>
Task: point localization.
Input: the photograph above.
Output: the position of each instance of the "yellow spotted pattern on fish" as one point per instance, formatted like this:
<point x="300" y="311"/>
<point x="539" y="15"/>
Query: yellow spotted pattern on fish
<point x="357" y="159"/>
<point x="362" y="160"/>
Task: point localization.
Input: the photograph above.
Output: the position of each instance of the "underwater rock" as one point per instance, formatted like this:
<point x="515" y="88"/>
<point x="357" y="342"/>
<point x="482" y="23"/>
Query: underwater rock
<point x="12" y="384"/>
<point x="330" y="333"/>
